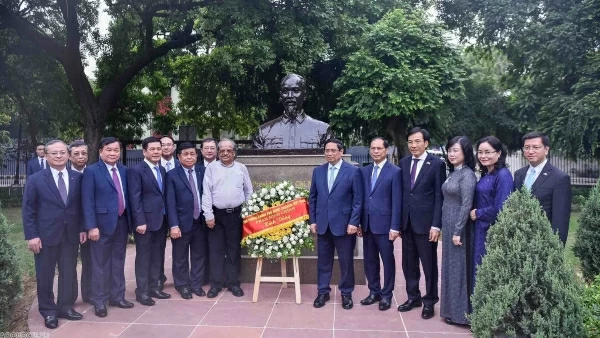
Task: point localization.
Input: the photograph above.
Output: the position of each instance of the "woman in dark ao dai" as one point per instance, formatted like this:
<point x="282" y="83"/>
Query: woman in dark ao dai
<point x="494" y="187"/>
<point x="458" y="192"/>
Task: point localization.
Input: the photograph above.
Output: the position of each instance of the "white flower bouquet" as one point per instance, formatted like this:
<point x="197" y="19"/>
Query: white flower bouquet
<point x="282" y="240"/>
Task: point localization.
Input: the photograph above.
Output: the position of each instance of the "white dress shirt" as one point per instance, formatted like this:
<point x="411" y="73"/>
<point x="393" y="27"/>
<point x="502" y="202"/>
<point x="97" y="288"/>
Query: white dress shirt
<point x="380" y="166"/>
<point x="65" y="175"/>
<point x="152" y="166"/>
<point x="171" y="162"/>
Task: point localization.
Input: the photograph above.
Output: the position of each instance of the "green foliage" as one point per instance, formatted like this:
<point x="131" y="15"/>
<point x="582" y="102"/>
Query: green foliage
<point x="10" y="276"/>
<point x="554" y="70"/>
<point x="524" y="284"/>
<point x="591" y="302"/>
<point x="11" y="197"/>
<point x="588" y="235"/>
<point x="405" y="70"/>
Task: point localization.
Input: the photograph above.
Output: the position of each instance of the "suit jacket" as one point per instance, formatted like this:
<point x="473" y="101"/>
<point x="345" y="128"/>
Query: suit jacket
<point x="100" y="199"/>
<point x="423" y="203"/>
<point x="180" y="199"/>
<point x="146" y="198"/>
<point x="33" y="166"/>
<point x="45" y="215"/>
<point x="382" y="204"/>
<point x="341" y="206"/>
<point x="553" y="189"/>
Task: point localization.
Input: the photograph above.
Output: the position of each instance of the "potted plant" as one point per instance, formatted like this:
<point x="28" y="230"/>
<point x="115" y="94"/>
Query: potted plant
<point x="525" y="287"/>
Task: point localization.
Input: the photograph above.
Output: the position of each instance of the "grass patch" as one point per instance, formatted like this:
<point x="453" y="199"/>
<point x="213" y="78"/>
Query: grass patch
<point x="573" y="226"/>
<point x="16" y="236"/>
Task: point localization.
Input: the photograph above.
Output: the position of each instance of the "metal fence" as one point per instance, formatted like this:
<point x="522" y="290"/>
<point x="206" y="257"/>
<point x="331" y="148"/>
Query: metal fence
<point x="584" y="171"/>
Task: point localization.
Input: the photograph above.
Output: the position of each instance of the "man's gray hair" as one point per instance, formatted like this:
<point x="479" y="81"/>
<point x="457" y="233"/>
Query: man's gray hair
<point x="77" y="144"/>
<point x="223" y="140"/>
<point x="54" y="142"/>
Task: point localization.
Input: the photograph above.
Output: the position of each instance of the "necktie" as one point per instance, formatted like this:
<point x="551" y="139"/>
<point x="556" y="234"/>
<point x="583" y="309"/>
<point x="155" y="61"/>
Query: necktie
<point x="117" y="183"/>
<point x="530" y="179"/>
<point x="158" y="178"/>
<point x="374" y="177"/>
<point x="331" y="178"/>
<point x="42" y="163"/>
<point x="195" y="193"/>
<point x="413" y="173"/>
<point x="168" y="166"/>
<point x="62" y="187"/>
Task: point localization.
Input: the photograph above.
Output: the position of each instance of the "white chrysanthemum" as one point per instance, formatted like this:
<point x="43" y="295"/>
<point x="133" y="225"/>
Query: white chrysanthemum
<point x="276" y="247"/>
<point x="301" y="241"/>
<point x="262" y="204"/>
<point x="289" y="246"/>
<point x="291" y="188"/>
<point x="256" y="208"/>
<point x="254" y="195"/>
<point x="297" y="196"/>
<point x="254" y="255"/>
<point x="285" y="239"/>
<point x="273" y="191"/>
<point x="264" y="191"/>
<point x="278" y="254"/>
<point x="256" y="247"/>
<point x="305" y="234"/>
<point x="268" y="251"/>
<point x="248" y="242"/>
<point x="293" y="243"/>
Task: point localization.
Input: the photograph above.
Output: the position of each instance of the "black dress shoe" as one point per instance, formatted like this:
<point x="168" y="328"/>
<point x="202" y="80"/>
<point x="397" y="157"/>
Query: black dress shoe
<point x="70" y="315"/>
<point x="199" y="292"/>
<point x="161" y="285"/>
<point x="145" y="300"/>
<point x="213" y="292"/>
<point x="101" y="311"/>
<point x="236" y="291"/>
<point x="51" y="322"/>
<point x="409" y="305"/>
<point x="347" y="303"/>
<point x="159" y="294"/>
<point x="321" y="300"/>
<point x="385" y="304"/>
<point x="123" y="304"/>
<point x="371" y="299"/>
<point x="450" y="322"/>
<point x="185" y="292"/>
<point x="427" y="312"/>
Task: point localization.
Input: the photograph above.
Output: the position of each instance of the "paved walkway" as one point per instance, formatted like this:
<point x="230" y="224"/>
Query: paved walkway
<point x="275" y="315"/>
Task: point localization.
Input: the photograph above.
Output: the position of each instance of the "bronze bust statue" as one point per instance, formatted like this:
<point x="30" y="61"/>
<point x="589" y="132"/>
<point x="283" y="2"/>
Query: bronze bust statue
<point x="294" y="129"/>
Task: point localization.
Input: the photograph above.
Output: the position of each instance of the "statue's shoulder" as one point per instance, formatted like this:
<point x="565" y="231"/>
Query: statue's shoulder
<point x="316" y="123"/>
<point x="270" y="124"/>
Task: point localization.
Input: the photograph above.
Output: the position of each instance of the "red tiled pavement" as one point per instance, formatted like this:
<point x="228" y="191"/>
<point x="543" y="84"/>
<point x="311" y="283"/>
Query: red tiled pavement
<point x="275" y="315"/>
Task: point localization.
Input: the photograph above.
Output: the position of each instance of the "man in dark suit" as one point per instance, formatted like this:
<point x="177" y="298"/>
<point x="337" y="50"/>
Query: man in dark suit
<point x="147" y="206"/>
<point x="38" y="162"/>
<point x="550" y="185"/>
<point x="381" y="214"/>
<point x="78" y="156"/>
<point x="422" y="178"/>
<point x="188" y="232"/>
<point x="52" y="222"/>
<point x="335" y="203"/>
<point x="107" y="219"/>
<point x="169" y="162"/>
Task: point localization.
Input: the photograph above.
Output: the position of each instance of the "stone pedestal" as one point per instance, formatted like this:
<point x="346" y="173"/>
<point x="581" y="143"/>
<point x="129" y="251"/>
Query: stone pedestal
<point x="295" y="167"/>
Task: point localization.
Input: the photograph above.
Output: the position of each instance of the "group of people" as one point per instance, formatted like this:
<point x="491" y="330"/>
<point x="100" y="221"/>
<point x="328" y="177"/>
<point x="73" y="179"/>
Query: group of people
<point x="92" y="209"/>
<point x="417" y="200"/>
<point x="72" y="208"/>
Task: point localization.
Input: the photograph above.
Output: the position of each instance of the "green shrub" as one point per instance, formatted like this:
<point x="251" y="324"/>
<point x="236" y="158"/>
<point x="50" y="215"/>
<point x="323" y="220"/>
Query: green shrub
<point x="524" y="284"/>
<point x="587" y="245"/>
<point x="10" y="276"/>
<point x="591" y="301"/>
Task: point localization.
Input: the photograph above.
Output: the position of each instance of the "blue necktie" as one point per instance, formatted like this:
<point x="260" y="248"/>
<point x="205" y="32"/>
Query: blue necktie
<point x="530" y="179"/>
<point x="158" y="178"/>
<point x="331" y="178"/>
<point x="374" y="177"/>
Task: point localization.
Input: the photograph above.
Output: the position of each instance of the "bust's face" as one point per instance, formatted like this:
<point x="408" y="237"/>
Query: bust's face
<point x="292" y="96"/>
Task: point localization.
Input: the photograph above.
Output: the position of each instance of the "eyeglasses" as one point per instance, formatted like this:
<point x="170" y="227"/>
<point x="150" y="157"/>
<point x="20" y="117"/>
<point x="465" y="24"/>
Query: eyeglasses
<point x="534" y="148"/>
<point x="79" y="154"/>
<point x="331" y="151"/>
<point x="56" y="153"/>
<point x="486" y="153"/>
<point x="225" y="151"/>
<point x="411" y="142"/>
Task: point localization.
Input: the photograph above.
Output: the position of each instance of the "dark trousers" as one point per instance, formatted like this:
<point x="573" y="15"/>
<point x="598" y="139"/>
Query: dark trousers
<point x="86" y="270"/>
<point x="163" y="244"/>
<point x="206" y="272"/>
<point x="417" y="247"/>
<point x="190" y="249"/>
<point x="64" y="255"/>
<point x="225" y="248"/>
<point x="374" y="246"/>
<point x="108" y="265"/>
<point x="148" y="260"/>
<point x="327" y="244"/>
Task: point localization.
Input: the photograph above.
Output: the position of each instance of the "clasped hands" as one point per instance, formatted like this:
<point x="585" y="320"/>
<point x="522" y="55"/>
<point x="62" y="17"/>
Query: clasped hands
<point x="355" y="230"/>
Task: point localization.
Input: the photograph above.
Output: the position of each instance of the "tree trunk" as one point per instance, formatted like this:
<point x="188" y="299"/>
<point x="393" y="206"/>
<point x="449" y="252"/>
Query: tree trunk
<point x="93" y="131"/>
<point x="396" y="128"/>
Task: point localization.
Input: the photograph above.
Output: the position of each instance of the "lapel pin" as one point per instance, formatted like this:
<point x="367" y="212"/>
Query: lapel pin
<point x="545" y="174"/>
<point x="428" y="163"/>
